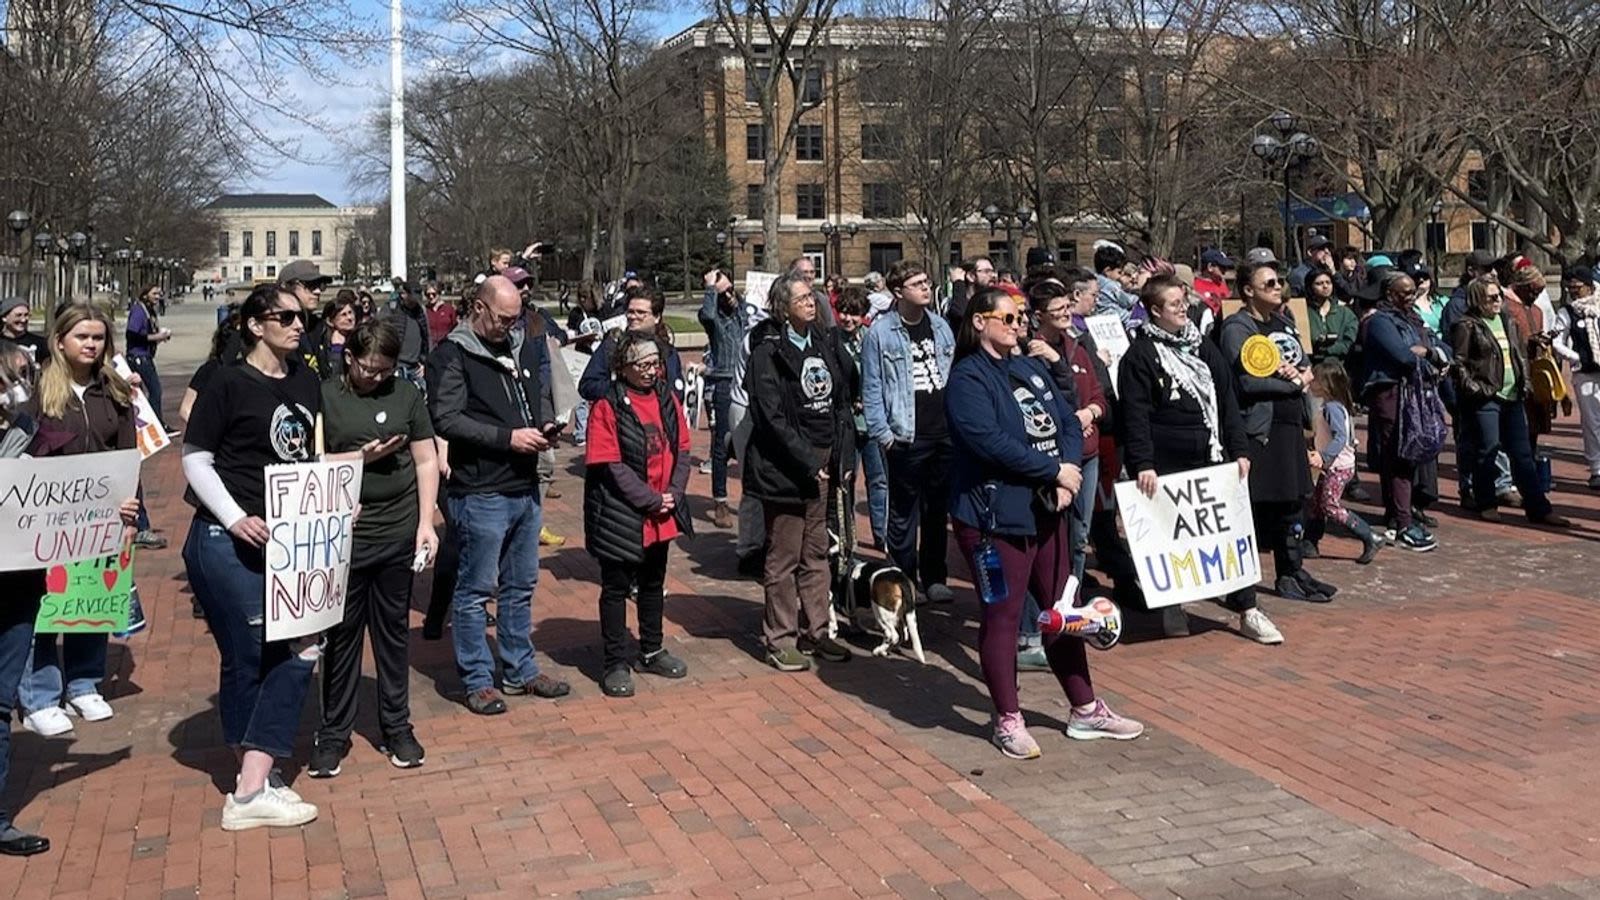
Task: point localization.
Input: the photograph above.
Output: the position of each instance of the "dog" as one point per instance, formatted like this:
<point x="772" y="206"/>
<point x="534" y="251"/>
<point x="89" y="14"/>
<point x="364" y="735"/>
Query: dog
<point x="888" y="592"/>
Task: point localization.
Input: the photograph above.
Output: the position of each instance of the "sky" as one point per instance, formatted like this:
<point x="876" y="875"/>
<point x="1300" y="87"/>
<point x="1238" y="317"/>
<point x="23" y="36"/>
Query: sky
<point x="322" y="165"/>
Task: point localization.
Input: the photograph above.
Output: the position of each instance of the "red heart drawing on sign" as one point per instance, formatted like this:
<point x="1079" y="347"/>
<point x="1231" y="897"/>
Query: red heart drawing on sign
<point x="110" y="578"/>
<point x="56" y="581"/>
<point x="125" y="558"/>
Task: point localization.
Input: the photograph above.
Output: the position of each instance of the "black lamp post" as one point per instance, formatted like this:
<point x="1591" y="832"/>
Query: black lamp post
<point x="1018" y="218"/>
<point x="835" y="235"/>
<point x="19" y="220"/>
<point x="44" y="242"/>
<point x="1288" y="153"/>
<point x="1434" y="246"/>
<point x="77" y="242"/>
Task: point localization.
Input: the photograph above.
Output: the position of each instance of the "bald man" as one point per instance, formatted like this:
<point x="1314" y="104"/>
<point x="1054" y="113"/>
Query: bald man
<point x="489" y="394"/>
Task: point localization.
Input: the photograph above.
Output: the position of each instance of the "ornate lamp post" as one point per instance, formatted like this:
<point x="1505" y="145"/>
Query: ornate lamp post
<point x="835" y="235"/>
<point x="1287" y="153"/>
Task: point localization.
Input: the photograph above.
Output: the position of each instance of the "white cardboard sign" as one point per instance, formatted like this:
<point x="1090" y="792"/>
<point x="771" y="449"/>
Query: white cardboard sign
<point x="1195" y="539"/>
<point x="310" y="528"/>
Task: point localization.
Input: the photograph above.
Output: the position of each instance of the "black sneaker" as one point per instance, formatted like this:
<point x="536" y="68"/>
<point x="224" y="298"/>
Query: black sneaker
<point x="824" y="647"/>
<point x="486" y="702"/>
<point x="1415" y="539"/>
<point x="664" y="664"/>
<point x="541" y="686"/>
<point x="1311" y="583"/>
<point x="1290" y="589"/>
<point x="327" y="758"/>
<point x="403" y="750"/>
<point x="618" y="682"/>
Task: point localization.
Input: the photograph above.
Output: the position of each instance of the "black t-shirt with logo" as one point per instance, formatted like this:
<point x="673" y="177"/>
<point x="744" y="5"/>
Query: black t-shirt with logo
<point x="1038" y="418"/>
<point x="250" y="421"/>
<point x="816" y="394"/>
<point x="927" y="381"/>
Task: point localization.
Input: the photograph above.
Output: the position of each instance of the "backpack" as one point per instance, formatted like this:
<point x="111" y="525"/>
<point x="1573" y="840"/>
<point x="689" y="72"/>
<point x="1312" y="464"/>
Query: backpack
<point x="1421" y="422"/>
<point x="1544" y="380"/>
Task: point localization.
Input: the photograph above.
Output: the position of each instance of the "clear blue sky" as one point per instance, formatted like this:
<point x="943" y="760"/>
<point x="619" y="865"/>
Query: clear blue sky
<point x="325" y="167"/>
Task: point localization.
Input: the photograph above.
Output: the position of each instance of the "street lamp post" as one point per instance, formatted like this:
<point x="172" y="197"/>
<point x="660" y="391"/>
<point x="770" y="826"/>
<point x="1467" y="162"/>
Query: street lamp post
<point x="835" y="235"/>
<point x="43" y="242"/>
<point x="1365" y="218"/>
<point x="19" y="220"/>
<point x="76" y="242"/>
<point x="1289" y="152"/>
<point x="1434" y="246"/>
<point x="1019" y="217"/>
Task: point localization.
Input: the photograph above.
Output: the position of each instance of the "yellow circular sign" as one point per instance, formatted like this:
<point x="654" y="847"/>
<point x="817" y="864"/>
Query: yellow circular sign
<point x="1260" y="356"/>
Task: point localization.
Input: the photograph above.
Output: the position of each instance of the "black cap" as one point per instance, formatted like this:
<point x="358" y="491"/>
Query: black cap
<point x="1318" y="243"/>
<point x="1040" y="256"/>
<point x="304" y="271"/>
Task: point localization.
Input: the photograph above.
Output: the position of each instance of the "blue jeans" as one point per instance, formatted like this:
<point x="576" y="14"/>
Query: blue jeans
<point x="1502" y="479"/>
<point x="22" y="590"/>
<point x="145" y="367"/>
<point x="1495" y="427"/>
<point x="82" y="660"/>
<point x="261" y="684"/>
<point x="499" y="538"/>
<point x="580" y="421"/>
<point x="721" y="429"/>
<point x="877" y="474"/>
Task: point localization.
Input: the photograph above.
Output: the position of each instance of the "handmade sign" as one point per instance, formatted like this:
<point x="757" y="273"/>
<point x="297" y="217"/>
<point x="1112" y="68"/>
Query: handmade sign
<point x="1111" y="336"/>
<point x="61" y="509"/>
<point x="756" y="287"/>
<point x="694" y="394"/>
<point x="147" y="428"/>
<point x="1195" y="539"/>
<point x="90" y="595"/>
<point x="310" y="518"/>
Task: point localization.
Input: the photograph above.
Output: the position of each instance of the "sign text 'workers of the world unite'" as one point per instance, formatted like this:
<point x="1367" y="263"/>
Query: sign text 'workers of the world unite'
<point x="61" y="509"/>
<point x="311" y="510"/>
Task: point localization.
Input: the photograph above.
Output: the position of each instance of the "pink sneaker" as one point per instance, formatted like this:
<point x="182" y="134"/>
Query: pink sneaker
<point x="1012" y="737"/>
<point x="1101" y="722"/>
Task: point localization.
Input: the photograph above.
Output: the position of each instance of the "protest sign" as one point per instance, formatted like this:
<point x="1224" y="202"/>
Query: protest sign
<point x="615" y="323"/>
<point x="147" y="428"/>
<point x="61" y="509"/>
<point x="756" y="287"/>
<point x="90" y="595"/>
<point x="1111" y="336"/>
<point x="694" y="394"/>
<point x="310" y="515"/>
<point x="1195" y="539"/>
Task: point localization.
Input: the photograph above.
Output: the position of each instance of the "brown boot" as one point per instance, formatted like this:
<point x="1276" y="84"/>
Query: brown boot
<point x="721" y="516"/>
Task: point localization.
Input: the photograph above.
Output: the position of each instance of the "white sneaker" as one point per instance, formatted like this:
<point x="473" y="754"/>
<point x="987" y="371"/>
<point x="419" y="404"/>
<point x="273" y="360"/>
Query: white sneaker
<point x="92" y="707"/>
<point x="269" y="808"/>
<point x="276" y="782"/>
<point x="49" y="722"/>
<point x="705" y="467"/>
<point x="1254" y="624"/>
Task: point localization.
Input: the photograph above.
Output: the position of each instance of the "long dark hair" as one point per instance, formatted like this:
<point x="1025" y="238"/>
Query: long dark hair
<point x="1335" y="381"/>
<point x="982" y="302"/>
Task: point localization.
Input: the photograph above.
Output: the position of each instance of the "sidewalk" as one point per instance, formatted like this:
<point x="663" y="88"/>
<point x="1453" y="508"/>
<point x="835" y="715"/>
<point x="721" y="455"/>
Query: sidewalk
<point x="1428" y="734"/>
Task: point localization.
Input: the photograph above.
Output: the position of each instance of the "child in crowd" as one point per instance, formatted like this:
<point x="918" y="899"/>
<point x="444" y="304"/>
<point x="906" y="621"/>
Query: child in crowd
<point x="1335" y="460"/>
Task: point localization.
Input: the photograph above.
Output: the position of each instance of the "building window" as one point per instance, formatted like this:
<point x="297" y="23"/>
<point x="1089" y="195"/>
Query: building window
<point x="752" y="201"/>
<point x="316" y="243"/>
<point x="222" y="244"/>
<point x="272" y="271"/>
<point x="1480" y="236"/>
<point x="882" y="201"/>
<point x="818" y="254"/>
<point x="955" y="253"/>
<point x="294" y="243"/>
<point x="810" y="201"/>
<point x="876" y="142"/>
<point x="249" y="273"/>
<point x="755" y="143"/>
<point x="1000" y="255"/>
<point x="882" y="256"/>
<point x="1437" y="236"/>
<point x="811" y="86"/>
<point x="1067" y="254"/>
<point x="272" y="243"/>
<point x="1109" y="144"/>
<point x="247" y="244"/>
<point x="808" y="143"/>
<point x="754" y="78"/>
<point x="223" y="274"/>
<point x="758" y="256"/>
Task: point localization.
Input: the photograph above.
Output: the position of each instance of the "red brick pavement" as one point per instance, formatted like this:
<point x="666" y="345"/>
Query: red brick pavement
<point x="1430" y="729"/>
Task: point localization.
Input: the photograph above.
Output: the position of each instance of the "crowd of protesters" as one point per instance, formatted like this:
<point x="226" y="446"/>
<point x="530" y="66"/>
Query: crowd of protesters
<point x="977" y="405"/>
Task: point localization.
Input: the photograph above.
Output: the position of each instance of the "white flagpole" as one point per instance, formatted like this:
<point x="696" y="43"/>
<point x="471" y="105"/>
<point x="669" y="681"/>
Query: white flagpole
<point x="397" y="142"/>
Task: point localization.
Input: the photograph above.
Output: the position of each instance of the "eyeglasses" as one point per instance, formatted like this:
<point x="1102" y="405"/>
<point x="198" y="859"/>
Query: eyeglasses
<point x="1271" y="284"/>
<point x="432" y="293"/>
<point x="637" y="313"/>
<point x="920" y="281"/>
<point x="377" y="373"/>
<point x="284" y="317"/>
<point x="646" y="365"/>
<point x="1057" y="311"/>
<point x="1010" y="320"/>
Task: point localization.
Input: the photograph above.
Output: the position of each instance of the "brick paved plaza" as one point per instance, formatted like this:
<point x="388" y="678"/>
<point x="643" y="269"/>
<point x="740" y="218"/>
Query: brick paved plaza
<point x="1431" y="733"/>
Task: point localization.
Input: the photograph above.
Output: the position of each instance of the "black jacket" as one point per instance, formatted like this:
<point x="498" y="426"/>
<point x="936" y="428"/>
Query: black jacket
<point x="781" y="464"/>
<point x="617" y="496"/>
<point x="1479" y="368"/>
<point x="476" y="402"/>
<point x="1167" y="433"/>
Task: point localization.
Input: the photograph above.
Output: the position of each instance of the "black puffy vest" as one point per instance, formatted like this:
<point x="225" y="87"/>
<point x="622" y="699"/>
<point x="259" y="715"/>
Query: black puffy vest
<point x="614" y="528"/>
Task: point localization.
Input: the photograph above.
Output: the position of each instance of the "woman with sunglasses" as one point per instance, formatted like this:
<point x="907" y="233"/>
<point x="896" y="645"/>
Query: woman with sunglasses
<point x="634" y="505"/>
<point x="1016" y="445"/>
<point x="1276" y="415"/>
<point x="253" y="414"/>
<point x="368" y="406"/>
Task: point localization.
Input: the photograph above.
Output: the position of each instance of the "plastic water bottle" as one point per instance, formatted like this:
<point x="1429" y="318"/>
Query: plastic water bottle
<point x="991" y="574"/>
<point x="1547" y="479"/>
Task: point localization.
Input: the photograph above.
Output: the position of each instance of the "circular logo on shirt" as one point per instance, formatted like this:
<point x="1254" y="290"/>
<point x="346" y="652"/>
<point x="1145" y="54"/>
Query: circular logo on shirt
<point x="1289" y="347"/>
<point x="289" y="436"/>
<point x="1260" y="356"/>
<point x="816" y="382"/>
<point x="1036" y="420"/>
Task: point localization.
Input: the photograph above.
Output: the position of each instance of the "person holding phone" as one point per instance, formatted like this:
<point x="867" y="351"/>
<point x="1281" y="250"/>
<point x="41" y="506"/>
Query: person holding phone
<point x="394" y="531"/>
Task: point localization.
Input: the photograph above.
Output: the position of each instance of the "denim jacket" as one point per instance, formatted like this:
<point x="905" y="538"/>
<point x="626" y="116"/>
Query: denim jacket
<point x="725" y="330"/>
<point x="887" y="396"/>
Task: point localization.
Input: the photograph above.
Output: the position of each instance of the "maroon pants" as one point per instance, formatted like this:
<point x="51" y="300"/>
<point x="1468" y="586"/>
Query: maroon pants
<point x="1040" y="565"/>
<point x="1395" y="475"/>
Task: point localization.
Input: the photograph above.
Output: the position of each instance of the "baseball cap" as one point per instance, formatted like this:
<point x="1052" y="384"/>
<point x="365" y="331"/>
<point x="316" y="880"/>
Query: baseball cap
<point x="1379" y="261"/>
<point x="517" y="275"/>
<point x="1214" y="257"/>
<point x="1319" y="242"/>
<point x="1417" y="271"/>
<point x="1185" y="274"/>
<point x="1040" y="256"/>
<point x="1482" y="260"/>
<point x="304" y="271"/>
<point x="1260" y="256"/>
<point x="10" y="303"/>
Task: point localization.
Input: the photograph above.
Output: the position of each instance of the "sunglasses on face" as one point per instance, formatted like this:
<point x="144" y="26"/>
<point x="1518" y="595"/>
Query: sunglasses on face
<point x="1010" y="320"/>
<point x="284" y="317"/>
<point x="1270" y="284"/>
